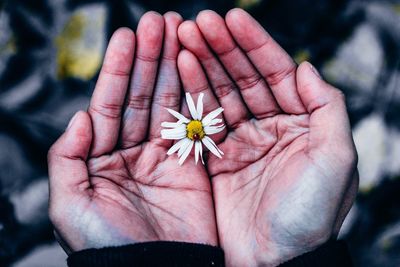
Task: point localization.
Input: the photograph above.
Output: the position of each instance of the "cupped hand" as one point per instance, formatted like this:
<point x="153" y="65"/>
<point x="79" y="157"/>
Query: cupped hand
<point x="111" y="182"/>
<point x="288" y="177"/>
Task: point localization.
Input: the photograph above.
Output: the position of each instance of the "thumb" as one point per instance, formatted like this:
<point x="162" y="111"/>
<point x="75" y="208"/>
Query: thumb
<point x="67" y="158"/>
<point x="330" y="130"/>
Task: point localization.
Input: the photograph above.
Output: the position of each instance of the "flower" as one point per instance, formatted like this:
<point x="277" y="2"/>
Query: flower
<point x="193" y="132"/>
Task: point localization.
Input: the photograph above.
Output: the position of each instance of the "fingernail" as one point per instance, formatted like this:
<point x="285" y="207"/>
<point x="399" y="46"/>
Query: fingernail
<point x="314" y="70"/>
<point x="71" y="122"/>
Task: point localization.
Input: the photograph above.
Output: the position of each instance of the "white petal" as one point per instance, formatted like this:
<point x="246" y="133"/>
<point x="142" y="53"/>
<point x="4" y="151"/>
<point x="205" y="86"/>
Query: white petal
<point x="209" y="130"/>
<point x="192" y="108"/>
<point x="173" y="137"/>
<point x="186" y="153"/>
<point x="175" y="147"/>
<point x="207" y="119"/>
<point x="214" y="121"/>
<point x="179" y="116"/>
<point x="184" y="146"/>
<point x="201" y="152"/>
<point x="177" y="130"/>
<point x="174" y="133"/>
<point x="197" y="146"/>
<point x="200" y="106"/>
<point x="171" y="124"/>
<point x="212" y="146"/>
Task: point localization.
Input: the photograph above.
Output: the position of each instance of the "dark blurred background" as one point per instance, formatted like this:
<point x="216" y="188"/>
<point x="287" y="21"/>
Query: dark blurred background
<point x="50" y="55"/>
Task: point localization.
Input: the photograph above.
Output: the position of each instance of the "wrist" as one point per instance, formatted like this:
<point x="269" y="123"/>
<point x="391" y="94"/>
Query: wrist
<point x="280" y="252"/>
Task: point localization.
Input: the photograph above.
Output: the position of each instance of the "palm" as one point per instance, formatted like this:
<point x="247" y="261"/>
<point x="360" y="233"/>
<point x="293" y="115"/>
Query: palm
<point x="286" y="170"/>
<point x="138" y="197"/>
<point x="267" y="183"/>
<point x="125" y="189"/>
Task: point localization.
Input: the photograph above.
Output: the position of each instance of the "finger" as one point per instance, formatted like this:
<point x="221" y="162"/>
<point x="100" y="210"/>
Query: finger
<point x="330" y="129"/>
<point x="135" y="122"/>
<point x="167" y="91"/>
<point x="271" y="61"/>
<point x="330" y="139"/>
<point x="226" y="91"/>
<point x="195" y="82"/>
<point x="253" y="87"/>
<point x="108" y="97"/>
<point x="68" y="173"/>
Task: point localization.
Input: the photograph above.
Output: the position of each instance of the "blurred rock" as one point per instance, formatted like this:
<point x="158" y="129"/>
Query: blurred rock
<point x="30" y="205"/>
<point x="15" y="171"/>
<point x="389" y="240"/>
<point x="378" y="148"/>
<point x="7" y="41"/>
<point x="247" y="3"/>
<point x="25" y="90"/>
<point x="358" y="61"/>
<point x="349" y="222"/>
<point x="385" y="16"/>
<point x="136" y="11"/>
<point x="369" y="137"/>
<point x="81" y="44"/>
<point x="384" y="251"/>
<point x="392" y="162"/>
<point x="44" y="256"/>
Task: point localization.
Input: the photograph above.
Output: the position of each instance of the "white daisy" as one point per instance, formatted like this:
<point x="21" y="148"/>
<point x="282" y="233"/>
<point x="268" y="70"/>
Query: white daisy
<point x="193" y="132"/>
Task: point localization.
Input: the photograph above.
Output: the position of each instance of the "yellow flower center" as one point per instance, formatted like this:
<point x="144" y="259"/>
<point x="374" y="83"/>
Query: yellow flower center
<point x="195" y="130"/>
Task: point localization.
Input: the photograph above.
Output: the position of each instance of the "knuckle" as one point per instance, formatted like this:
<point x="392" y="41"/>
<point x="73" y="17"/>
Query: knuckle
<point x="112" y="111"/>
<point x="261" y="46"/>
<point x="199" y="89"/>
<point x="249" y="82"/>
<point x="278" y="76"/>
<point x="141" y="102"/>
<point x="166" y="100"/>
<point x="224" y="89"/>
<point x="115" y="72"/>
<point x="147" y="59"/>
<point x="228" y="51"/>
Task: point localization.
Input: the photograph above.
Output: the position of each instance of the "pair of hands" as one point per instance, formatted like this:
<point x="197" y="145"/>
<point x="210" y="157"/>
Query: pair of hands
<point x="284" y="186"/>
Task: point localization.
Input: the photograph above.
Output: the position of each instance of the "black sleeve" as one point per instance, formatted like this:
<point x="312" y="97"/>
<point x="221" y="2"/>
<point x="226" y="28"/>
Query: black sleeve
<point x="160" y="253"/>
<point x="331" y="254"/>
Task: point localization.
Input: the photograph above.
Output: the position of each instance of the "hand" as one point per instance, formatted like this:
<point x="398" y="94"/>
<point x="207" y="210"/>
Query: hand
<point x="111" y="181"/>
<point x="288" y="177"/>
